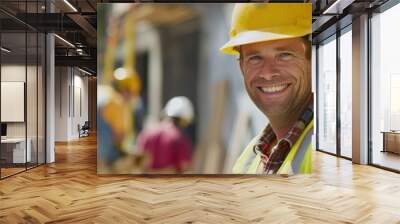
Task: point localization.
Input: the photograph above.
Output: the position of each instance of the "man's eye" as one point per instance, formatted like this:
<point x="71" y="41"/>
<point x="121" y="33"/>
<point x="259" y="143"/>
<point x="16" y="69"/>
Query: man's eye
<point x="285" y="56"/>
<point x="254" y="60"/>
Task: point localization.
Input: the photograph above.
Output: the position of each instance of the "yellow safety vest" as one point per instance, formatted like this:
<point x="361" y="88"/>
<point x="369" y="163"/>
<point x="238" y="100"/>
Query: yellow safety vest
<point x="298" y="161"/>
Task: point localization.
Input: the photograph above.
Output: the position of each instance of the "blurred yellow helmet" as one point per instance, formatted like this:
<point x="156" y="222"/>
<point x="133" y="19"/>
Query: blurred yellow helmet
<point x="127" y="80"/>
<point x="258" y="22"/>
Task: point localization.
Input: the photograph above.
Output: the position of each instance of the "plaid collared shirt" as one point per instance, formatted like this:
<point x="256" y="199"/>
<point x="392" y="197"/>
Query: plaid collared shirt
<point x="273" y="155"/>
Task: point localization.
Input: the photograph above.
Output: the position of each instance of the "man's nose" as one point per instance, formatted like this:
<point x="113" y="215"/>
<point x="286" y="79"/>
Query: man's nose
<point x="269" y="70"/>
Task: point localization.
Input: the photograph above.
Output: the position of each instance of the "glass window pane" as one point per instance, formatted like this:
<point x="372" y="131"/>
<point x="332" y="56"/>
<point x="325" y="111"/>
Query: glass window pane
<point x="327" y="96"/>
<point x="41" y="99"/>
<point x="31" y="86"/>
<point x="13" y="86"/>
<point x="346" y="94"/>
<point x="385" y="86"/>
<point x="23" y="84"/>
<point x="31" y="97"/>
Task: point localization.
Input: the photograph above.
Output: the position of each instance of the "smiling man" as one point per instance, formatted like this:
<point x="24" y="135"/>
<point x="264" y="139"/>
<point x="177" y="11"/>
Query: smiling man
<point x="273" y="44"/>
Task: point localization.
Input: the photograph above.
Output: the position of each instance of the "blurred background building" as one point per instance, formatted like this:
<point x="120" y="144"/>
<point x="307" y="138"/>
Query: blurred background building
<point x="177" y="54"/>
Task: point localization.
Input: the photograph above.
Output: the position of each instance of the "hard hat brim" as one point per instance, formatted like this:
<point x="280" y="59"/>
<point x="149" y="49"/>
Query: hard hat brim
<point x="250" y="37"/>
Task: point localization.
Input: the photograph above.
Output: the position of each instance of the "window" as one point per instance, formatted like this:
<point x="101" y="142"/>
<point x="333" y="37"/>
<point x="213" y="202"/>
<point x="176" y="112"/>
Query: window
<point x="22" y="77"/>
<point x="346" y="93"/>
<point x="327" y="96"/>
<point x="385" y="89"/>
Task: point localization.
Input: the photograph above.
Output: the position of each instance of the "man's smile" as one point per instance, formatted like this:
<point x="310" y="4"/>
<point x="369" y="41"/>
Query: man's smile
<point x="274" y="89"/>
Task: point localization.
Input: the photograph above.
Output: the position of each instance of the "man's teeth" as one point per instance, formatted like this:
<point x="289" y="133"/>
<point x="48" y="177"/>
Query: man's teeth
<point x="274" y="89"/>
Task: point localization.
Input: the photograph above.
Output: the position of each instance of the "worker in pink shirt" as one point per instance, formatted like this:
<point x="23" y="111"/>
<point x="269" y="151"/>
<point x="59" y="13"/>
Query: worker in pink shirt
<point x="169" y="149"/>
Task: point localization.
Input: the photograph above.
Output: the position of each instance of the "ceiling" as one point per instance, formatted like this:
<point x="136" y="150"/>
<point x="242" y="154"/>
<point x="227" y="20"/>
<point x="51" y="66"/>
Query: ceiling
<point x="73" y="20"/>
<point x="332" y="15"/>
<point x="76" y="22"/>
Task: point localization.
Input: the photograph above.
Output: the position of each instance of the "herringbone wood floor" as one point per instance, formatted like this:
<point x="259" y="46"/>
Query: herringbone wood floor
<point x="69" y="191"/>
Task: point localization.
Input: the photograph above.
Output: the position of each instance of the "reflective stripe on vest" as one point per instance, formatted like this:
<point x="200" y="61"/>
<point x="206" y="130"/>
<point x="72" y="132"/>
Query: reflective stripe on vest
<point x="246" y="159"/>
<point x="299" y="158"/>
<point x="301" y="152"/>
<point x="297" y="161"/>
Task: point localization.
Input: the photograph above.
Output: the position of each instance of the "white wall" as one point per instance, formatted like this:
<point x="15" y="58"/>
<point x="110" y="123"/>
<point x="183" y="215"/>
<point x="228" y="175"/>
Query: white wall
<point x="71" y="93"/>
<point x="80" y="96"/>
<point x="12" y="73"/>
<point x="33" y="127"/>
<point x="61" y="103"/>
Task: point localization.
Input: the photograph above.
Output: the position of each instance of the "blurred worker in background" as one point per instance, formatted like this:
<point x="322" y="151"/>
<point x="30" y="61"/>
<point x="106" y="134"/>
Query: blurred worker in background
<point x="169" y="148"/>
<point x="274" y="48"/>
<point x="117" y="117"/>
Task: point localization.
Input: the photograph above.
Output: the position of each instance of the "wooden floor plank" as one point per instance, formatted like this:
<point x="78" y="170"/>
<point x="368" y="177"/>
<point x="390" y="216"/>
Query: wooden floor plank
<point x="69" y="191"/>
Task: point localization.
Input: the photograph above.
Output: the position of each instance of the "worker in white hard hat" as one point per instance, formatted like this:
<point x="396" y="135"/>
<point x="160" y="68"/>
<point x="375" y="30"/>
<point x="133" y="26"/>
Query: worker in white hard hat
<point x="272" y="41"/>
<point x="168" y="146"/>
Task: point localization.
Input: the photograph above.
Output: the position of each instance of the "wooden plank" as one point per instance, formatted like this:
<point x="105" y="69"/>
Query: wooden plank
<point x="239" y="139"/>
<point x="70" y="191"/>
<point x="210" y="154"/>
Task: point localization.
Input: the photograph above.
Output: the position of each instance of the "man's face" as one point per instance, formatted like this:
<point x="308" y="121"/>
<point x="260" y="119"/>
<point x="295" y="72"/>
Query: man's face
<point x="277" y="75"/>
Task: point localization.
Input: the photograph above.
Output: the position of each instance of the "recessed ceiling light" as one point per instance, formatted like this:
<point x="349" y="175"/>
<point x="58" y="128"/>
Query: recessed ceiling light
<point x="337" y="7"/>
<point x="70" y="5"/>
<point x="64" y="40"/>
<point x="5" y="50"/>
<point x="84" y="71"/>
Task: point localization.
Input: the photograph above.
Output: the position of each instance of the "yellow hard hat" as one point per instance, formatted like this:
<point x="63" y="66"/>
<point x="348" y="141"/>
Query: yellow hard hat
<point x="258" y="22"/>
<point x="127" y="80"/>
